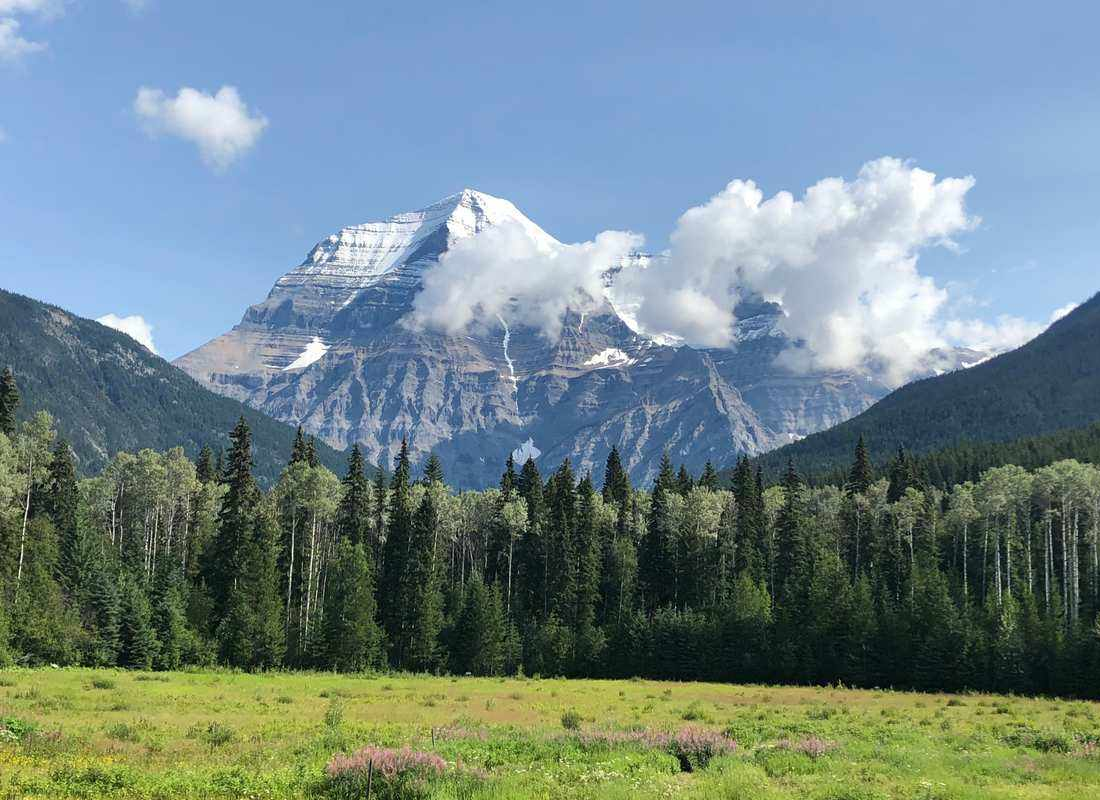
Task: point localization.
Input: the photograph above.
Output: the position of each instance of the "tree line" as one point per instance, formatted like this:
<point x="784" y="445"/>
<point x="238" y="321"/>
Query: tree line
<point x="887" y="580"/>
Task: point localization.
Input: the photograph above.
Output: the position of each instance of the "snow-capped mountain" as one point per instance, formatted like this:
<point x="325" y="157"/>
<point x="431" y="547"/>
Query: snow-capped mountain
<point x="326" y="349"/>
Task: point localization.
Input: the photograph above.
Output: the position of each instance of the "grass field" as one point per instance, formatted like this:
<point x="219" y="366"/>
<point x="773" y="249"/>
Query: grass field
<point x="87" y="733"/>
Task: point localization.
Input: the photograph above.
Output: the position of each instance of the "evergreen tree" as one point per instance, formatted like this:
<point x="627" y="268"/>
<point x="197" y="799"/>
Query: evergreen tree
<point x="860" y="475"/>
<point x="60" y="500"/>
<point x="9" y="402"/>
<point x="395" y="552"/>
<point x="480" y="634"/>
<point x="420" y="596"/>
<point x="261" y="586"/>
<point x="169" y="621"/>
<point x="205" y="471"/>
<point x="352" y="638"/>
<point x="433" y="471"/>
<point x="789" y="544"/>
<point x="311" y="452"/>
<point x="684" y="483"/>
<point x="655" y="556"/>
<point x="616" y="481"/>
<point x="353" y="518"/>
<point x="225" y="561"/>
<point x="709" y="478"/>
<point x="509" y="479"/>
<point x="101" y="609"/>
<point x="137" y="636"/>
<point x="299" y="451"/>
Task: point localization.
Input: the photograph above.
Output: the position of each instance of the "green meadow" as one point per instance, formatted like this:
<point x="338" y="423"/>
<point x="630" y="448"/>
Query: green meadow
<point x="96" y="733"/>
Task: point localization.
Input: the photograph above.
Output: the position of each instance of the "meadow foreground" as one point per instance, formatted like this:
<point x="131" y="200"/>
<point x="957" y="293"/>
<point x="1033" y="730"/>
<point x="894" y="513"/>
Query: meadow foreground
<point x="98" y="733"/>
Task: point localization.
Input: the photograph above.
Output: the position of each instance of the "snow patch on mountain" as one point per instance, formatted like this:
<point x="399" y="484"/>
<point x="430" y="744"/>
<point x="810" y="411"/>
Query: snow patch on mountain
<point x="314" y="351"/>
<point x="525" y="451"/>
<point x="611" y="357"/>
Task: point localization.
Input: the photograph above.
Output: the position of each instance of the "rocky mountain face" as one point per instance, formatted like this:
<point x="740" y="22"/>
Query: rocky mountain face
<point x="327" y="349"/>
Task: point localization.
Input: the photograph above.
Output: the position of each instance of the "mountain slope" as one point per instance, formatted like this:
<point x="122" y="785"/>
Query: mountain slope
<point x="108" y="393"/>
<point x="1050" y="383"/>
<point x="326" y="349"/>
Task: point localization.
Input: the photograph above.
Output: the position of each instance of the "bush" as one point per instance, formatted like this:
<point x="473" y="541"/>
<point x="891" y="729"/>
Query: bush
<point x="13" y="729"/>
<point x="103" y="683"/>
<point x="397" y="774"/>
<point x="697" y="747"/>
<point x="571" y="720"/>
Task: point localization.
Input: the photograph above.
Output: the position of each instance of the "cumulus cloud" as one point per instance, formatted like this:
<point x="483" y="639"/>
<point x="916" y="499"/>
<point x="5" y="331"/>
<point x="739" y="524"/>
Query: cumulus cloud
<point x="508" y="271"/>
<point x="221" y="125"/>
<point x="133" y="326"/>
<point x="13" y="47"/>
<point x="841" y="260"/>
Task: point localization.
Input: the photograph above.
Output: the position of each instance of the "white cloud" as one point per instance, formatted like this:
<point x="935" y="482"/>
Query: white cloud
<point x="505" y="270"/>
<point x="1061" y="312"/>
<point x="46" y="8"/>
<point x="137" y="6"/>
<point x="221" y="125"/>
<point x="14" y="47"/>
<point x="133" y="326"/>
<point x="841" y="260"/>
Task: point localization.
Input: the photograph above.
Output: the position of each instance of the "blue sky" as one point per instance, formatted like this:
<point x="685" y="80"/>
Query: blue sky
<point x="588" y="116"/>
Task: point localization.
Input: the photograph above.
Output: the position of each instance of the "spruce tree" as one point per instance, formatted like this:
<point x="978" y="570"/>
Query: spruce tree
<point x="395" y="552"/>
<point x="433" y="471"/>
<point x="205" y="471"/>
<point x="616" y="482"/>
<point x="169" y="620"/>
<point x="352" y="640"/>
<point x="353" y="519"/>
<point x="137" y="635"/>
<point x="480" y="633"/>
<point x="788" y="533"/>
<point x="709" y="478"/>
<point x="508" y="479"/>
<point x="225" y="556"/>
<point x="684" y="482"/>
<point x="311" y="452"/>
<point x="299" y="451"/>
<point x="9" y="402"/>
<point x="533" y="590"/>
<point x="60" y="500"/>
<point x="860" y="475"/>
<point x="101" y="608"/>
<point x="420" y="595"/>
<point x="260" y="586"/>
<point x="655" y="556"/>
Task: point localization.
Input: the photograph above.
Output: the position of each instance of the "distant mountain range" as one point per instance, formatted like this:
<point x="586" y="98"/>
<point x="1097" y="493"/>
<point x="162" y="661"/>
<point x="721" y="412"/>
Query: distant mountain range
<point x="1049" y="384"/>
<point x="108" y="393"/>
<point x="326" y="350"/>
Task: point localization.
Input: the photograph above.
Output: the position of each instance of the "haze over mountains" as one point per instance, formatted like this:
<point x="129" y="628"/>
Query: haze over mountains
<point x="337" y="347"/>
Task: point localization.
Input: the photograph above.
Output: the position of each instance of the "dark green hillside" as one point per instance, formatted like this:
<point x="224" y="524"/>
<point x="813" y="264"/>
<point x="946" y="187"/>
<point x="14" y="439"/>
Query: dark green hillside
<point x="1051" y="383"/>
<point x="108" y="393"/>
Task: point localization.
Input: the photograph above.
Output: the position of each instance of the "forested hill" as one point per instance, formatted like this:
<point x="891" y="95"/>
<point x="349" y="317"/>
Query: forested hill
<point x="1051" y="383"/>
<point x="108" y="393"/>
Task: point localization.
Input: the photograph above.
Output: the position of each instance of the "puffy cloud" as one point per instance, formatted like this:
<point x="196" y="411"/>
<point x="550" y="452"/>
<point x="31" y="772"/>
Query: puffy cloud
<point x="133" y="326"/>
<point x="1004" y="333"/>
<point x="508" y="271"/>
<point x="221" y="125"/>
<point x="841" y="260"/>
<point x="46" y="8"/>
<point x="13" y="47"/>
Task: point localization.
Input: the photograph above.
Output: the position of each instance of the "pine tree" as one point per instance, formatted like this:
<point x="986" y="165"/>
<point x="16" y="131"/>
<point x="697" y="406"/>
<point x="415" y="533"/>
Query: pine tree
<point x="509" y="479"/>
<point x="60" y="500"/>
<point x="395" y="551"/>
<point x="352" y="639"/>
<point x="420" y="596"/>
<point x="655" y="556"/>
<point x="684" y="483"/>
<point x="788" y="533"/>
<point x="353" y="518"/>
<point x="709" y="478"/>
<point x="169" y="621"/>
<point x="433" y="471"/>
<point x="137" y="636"/>
<point x="225" y="560"/>
<point x="616" y="481"/>
<point x="860" y="476"/>
<point x="9" y="402"/>
<point x="260" y="585"/>
<point x="101" y="608"/>
<point x="205" y="471"/>
<point x="311" y="452"/>
<point x="480" y="633"/>
<point x="299" y="451"/>
<point x="534" y="591"/>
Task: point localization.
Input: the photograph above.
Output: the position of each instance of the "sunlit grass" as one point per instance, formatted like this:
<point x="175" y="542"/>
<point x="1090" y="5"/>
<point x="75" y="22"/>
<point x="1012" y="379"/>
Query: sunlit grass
<point x="84" y="733"/>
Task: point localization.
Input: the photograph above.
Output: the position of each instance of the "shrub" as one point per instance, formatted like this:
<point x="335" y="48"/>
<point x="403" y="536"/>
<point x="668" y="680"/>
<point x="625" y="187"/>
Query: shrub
<point x="397" y="774"/>
<point x="696" y="747"/>
<point x="103" y="683"/>
<point x="13" y="729"/>
<point x="571" y="720"/>
<point x="215" y="734"/>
